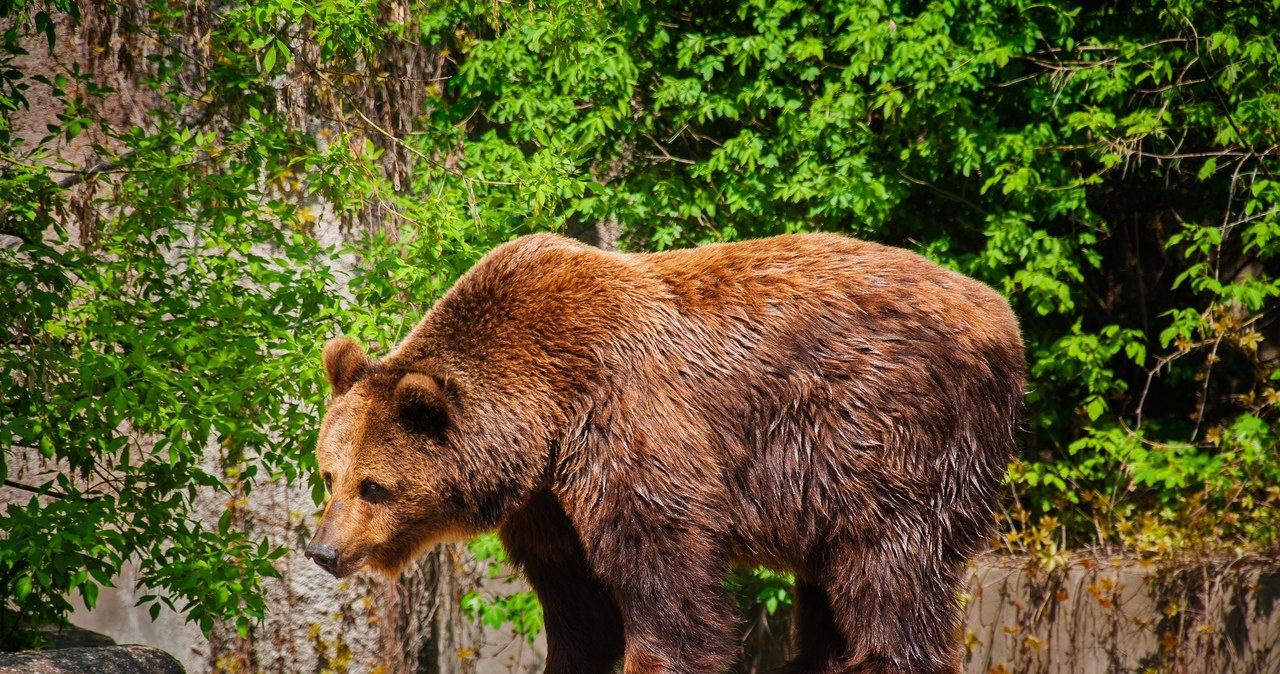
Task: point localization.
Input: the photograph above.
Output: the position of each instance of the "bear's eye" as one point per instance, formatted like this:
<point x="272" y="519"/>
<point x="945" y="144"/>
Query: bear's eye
<point x="371" y="491"/>
<point x="328" y="482"/>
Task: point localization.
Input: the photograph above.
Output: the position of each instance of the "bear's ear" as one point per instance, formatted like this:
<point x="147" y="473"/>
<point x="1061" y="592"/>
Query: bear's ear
<point x="422" y="402"/>
<point x="345" y="362"/>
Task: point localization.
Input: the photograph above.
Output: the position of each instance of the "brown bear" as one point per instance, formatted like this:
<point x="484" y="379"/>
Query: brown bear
<point x="631" y="424"/>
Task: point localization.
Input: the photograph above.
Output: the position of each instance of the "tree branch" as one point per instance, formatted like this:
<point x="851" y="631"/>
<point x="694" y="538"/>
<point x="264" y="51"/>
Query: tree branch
<point x="42" y="491"/>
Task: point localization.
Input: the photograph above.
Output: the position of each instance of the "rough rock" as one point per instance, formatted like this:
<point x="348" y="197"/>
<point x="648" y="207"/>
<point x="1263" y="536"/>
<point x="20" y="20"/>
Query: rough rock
<point x="103" y="660"/>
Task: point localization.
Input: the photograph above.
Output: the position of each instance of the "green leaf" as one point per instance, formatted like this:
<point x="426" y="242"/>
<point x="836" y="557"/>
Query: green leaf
<point x="268" y="61"/>
<point x="22" y="588"/>
<point x="89" y="591"/>
<point x="1208" y="168"/>
<point x="1095" y="407"/>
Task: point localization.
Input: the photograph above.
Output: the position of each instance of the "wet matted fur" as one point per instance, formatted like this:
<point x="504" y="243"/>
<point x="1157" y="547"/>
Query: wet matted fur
<point x="634" y="423"/>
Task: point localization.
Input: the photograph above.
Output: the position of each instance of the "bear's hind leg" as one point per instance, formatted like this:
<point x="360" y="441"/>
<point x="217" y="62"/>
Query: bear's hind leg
<point x="895" y="603"/>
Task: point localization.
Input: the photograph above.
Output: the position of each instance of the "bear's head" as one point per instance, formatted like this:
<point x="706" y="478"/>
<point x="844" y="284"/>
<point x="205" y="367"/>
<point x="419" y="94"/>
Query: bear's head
<point x="387" y="462"/>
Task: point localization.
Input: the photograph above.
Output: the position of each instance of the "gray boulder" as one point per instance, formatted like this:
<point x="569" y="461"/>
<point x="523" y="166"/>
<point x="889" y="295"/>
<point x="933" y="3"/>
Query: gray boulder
<point x="100" y="660"/>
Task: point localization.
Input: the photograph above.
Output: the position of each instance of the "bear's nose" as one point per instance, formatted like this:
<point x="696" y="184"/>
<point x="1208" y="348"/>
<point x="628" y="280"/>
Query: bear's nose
<point x="324" y="555"/>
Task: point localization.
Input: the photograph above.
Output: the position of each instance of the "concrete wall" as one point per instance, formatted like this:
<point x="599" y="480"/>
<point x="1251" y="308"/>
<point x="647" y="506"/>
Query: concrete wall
<point x="1121" y="615"/>
<point x="1117" y="616"/>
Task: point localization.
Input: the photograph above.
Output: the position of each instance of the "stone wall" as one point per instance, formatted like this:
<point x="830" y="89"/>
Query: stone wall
<point x="1122" y="615"/>
<point x="1093" y="616"/>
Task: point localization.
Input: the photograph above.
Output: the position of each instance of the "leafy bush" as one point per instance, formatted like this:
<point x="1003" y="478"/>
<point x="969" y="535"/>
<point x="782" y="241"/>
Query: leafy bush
<point x="164" y="314"/>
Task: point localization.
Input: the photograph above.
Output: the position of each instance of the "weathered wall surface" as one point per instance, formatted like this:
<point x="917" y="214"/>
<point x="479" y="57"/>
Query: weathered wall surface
<point x="1116" y="616"/>
<point x="1124" y="616"/>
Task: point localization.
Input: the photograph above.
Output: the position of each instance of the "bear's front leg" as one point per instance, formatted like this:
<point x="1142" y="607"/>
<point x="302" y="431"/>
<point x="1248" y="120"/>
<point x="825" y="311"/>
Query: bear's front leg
<point x="653" y="524"/>
<point x="667" y="577"/>
<point x="583" y="626"/>
<point x="582" y="621"/>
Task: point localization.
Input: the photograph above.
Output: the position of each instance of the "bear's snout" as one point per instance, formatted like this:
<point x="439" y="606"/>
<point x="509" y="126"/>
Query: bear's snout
<point x="324" y="555"/>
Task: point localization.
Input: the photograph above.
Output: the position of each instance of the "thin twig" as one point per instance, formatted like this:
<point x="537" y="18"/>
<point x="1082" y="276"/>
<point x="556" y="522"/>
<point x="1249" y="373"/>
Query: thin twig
<point x="382" y="76"/>
<point x="1204" y="390"/>
<point x="657" y="157"/>
<point x="396" y="139"/>
<point x="1102" y="47"/>
<point x="944" y="193"/>
<point x="665" y="155"/>
<point x="1142" y="399"/>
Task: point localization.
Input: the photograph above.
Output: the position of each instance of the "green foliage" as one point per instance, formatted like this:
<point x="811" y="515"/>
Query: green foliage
<point x="762" y="587"/>
<point x="519" y="609"/>
<point x="165" y="305"/>
<point x="164" y="348"/>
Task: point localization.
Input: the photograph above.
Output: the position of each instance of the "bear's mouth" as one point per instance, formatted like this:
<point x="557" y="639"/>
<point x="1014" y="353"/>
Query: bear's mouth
<point x="348" y="566"/>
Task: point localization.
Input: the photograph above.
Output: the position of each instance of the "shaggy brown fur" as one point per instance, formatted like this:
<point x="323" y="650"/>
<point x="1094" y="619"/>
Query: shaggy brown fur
<point x="632" y="424"/>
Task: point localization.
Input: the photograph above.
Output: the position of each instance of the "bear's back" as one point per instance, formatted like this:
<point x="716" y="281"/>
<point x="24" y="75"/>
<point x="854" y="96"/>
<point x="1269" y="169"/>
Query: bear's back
<point x="815" y="306"/>
<point x="828" y="309"/>
<point x="832" y="272"/>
